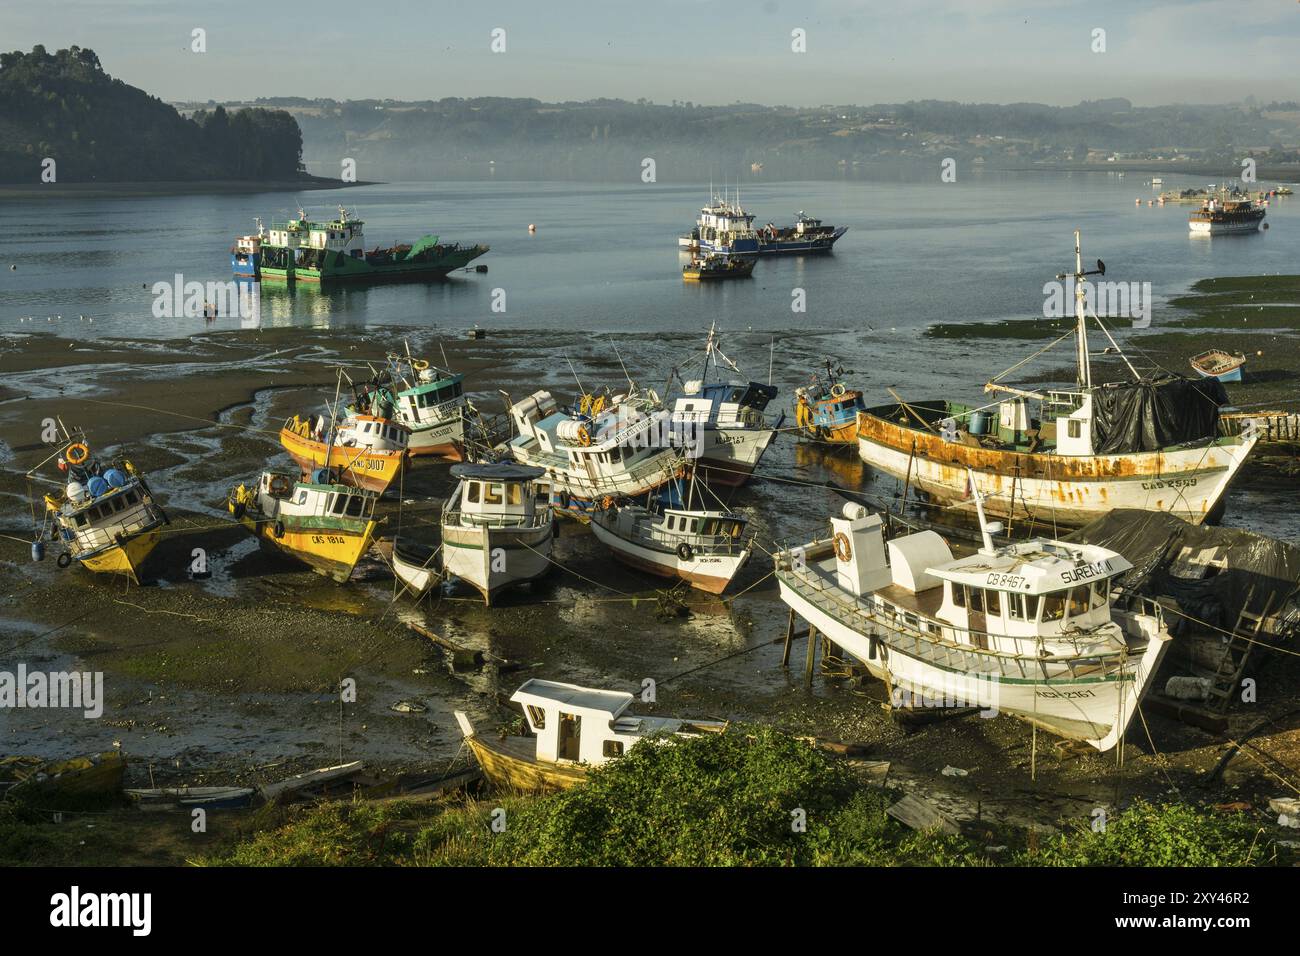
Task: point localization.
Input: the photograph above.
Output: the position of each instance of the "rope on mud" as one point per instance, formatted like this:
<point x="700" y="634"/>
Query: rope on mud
<point x="60" y="627"/>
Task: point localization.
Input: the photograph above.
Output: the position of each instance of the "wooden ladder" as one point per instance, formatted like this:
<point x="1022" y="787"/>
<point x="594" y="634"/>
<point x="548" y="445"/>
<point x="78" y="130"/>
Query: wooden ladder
<point x="1236" y="652"/>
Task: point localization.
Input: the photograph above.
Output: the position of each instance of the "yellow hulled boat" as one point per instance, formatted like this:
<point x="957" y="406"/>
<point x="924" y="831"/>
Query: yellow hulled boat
<point x="326" y="526"/>
<point x="362" y="451"/>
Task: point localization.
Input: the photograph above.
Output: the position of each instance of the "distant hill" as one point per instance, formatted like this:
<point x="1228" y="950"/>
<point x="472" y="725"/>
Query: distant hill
<point x="97" y="129"/>
<point x="518" y="138"/>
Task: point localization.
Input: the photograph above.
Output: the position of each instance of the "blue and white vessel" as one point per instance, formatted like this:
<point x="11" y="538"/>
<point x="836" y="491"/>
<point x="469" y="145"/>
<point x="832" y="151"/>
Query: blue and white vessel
<point x="723" y="228"/>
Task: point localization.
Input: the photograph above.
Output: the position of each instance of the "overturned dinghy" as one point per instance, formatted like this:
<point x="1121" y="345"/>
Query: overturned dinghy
<point x="704" y="548"/>
<point x="574" y="728"/>
<point x="494" y="533"/>
<point x="1030" y="629"/>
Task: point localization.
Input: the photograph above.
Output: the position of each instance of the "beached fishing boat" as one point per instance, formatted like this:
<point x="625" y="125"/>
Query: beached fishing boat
<point x="704" y="548"/>
<point x="1220" y="215"/>
<point x="1151" y="443"/>
<point x="33" y="779"/>
<point x="103" y="516"/>
<point x="713" y="267"/>
<point x="1030" y="629"/>
<point x="305" y="250"/>
<point x="208" y="798"/>
<point x="326" y="525"/>
<point x="807" y="236"/>
<point x="360" y="450"/>
<point x="1216" y="363"/>
<point x="416" y="566"/>
<point x="429" y="402"/>
<point x="724" y="422"/>
<point x="826" y="410"/>
<point x="494" y="533"/>
<point x="595" y="452"/>
<point x="573" y="729"/>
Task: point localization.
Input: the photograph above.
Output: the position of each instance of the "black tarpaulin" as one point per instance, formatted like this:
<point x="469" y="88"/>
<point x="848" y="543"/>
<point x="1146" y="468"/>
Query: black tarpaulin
<point x="1154" y="413"/>
<point x="1211" y="572"/>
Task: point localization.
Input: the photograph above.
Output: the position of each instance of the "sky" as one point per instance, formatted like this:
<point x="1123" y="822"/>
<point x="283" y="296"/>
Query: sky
<point x="705" y="51"/>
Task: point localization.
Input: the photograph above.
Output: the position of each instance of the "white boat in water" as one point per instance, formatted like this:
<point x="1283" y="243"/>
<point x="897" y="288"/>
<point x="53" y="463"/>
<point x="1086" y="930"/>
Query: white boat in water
<point x="595" y="454"/>
<point x="494" y="533"/>
<point x="1030" y="629"/>
<point x="1150" y="443"/>
<point x="704" y="548"/>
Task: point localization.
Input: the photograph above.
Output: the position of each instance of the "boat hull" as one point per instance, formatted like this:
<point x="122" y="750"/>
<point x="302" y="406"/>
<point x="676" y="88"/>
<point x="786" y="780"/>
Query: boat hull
<point x="1054" y="489"/>
<point x="337" y="267"/>
<point x="1094" y="709"/>
<point x="124" y="558"/>
<point x="705" y="572"/>
<point x="730" y="455"/>
<point x="800" y="246"/>
<point x="318" y="543"/>
<point x="1223" y="228"/>
<point x="507" y="766"/>
<point x="444" y="440"/>
<point x="495" y="558"/>
<point x="358" y="467"/>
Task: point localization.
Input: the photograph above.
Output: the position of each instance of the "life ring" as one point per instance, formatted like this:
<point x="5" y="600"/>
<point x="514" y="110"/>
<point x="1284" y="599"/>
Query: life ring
<point x="837" y="389"/>
<point x="584" y="436"/>
<point x="278" y="530"/>
<point x="63" y="560"/>
<point x="843" y="549"/>
<point x="419" y="364"/>
<point x="684" y="552"/>
<point x="279" y="485"/>
<point x="77" y="453"/>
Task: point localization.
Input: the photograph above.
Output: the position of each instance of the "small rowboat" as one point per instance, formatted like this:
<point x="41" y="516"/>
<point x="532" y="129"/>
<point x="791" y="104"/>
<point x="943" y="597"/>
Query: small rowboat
<point x="1216" y="363"/>
<point x="209" y="798"/>
<point x="415" y="565"/>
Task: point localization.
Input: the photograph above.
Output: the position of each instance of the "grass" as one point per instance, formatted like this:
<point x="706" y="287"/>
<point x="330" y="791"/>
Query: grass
<point x="750" y="798"/>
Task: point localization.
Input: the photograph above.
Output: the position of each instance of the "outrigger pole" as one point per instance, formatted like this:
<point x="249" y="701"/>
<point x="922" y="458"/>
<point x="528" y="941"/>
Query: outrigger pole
<point x="1081" y="313"/>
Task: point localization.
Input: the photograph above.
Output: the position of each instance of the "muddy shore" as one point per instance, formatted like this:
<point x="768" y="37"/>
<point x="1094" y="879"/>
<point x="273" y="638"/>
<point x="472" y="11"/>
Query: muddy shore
<point x="232" y="677"/>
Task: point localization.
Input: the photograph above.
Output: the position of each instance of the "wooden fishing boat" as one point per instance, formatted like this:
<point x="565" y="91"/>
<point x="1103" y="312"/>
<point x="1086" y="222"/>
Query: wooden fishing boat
<point x="1031" y="629"/>
<point x="96" y="775"/>
<point x="310" y="778"/>
<point x="704" y="548"/>
<point x="428" y="401"/>
<point x="1150" y="443"/>
<point x="361" y="450"/>
<point x="494" y="533"/>
<point x="574" y="728"/>
<point x="326" y="526"/>
<point x="207" y="798"/>
<point x="103" y="516"/>
<point x="1216" y="363"/>
<point x="714" y="267"/>
<point x="415" y="565"/>
<point x="826" y="410"/>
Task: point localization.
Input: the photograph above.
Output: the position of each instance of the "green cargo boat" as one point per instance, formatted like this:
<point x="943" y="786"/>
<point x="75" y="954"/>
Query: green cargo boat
<point x="306" y="251"/>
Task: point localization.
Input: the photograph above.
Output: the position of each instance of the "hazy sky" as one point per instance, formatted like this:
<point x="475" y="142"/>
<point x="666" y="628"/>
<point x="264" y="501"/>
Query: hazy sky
<point x="706" y="51"/>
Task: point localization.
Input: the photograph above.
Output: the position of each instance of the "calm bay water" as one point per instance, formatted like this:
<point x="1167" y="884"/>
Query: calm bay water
<point x="604" y="258"/>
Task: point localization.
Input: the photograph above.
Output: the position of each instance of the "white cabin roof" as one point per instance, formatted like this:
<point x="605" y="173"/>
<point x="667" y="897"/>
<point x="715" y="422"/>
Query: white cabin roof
<point x="572" y="698"/>
<point x="1039" y="566"/>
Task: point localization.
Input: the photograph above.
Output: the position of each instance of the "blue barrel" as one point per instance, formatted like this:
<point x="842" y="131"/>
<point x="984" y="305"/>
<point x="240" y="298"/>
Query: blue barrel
<point x="979" y="422"/>
<point x="97" y="486"/>
<point x="38" y="550"/>
<point x="115" y="477"/>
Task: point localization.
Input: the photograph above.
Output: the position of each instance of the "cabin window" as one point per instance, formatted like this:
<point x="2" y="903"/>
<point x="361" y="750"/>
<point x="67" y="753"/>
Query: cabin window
<point x="672" y="523"/>
<point x="1016" y="607"/>
<point x="613" y="748"/>
<point x="538" y="717"/>
<point x="492" y="494"/>
<point x="993" y="603"/>
<point x="81" y="520"/>
<point x="130" y="498"/>
<point x="117" y="503"/>
<point x="1079" y="600"/>
<point x="695" y="525"/>
<point x="1054" y="606"/>
<point x="338" y="503"/>
<point x="976" y="598"/>
<point x="367" y="427"/>
<point x="471" y="494"/>
<point x="514" y="494"/>
<point x="912" y="621"/>
<point x="1031" y="607"/>
<point x="959" y="595"/>
<point x="1101" y="593"/>
<point x="302" y="497"/>
<point x="1076" y="428"/>
<point x="355" y="503"/>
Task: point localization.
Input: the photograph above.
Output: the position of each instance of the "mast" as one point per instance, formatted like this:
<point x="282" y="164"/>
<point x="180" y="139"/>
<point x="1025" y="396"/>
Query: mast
<point x="1081" y="318"/>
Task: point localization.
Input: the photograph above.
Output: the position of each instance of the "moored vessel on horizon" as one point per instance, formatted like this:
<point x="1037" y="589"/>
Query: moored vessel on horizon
<point x="807" y="236"/>
<point x="713" y="267"/>
<point x="1220" y="215"/>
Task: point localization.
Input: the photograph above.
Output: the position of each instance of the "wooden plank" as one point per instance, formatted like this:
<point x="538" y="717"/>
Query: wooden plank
<point x="913" y="811"/>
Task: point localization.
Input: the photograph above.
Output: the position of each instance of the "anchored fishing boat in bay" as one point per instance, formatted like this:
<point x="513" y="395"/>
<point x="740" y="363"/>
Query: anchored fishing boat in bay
<point x="1032" y="629"/>
<point x="573" y="729"/>
<point x="1151" y="443"/>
